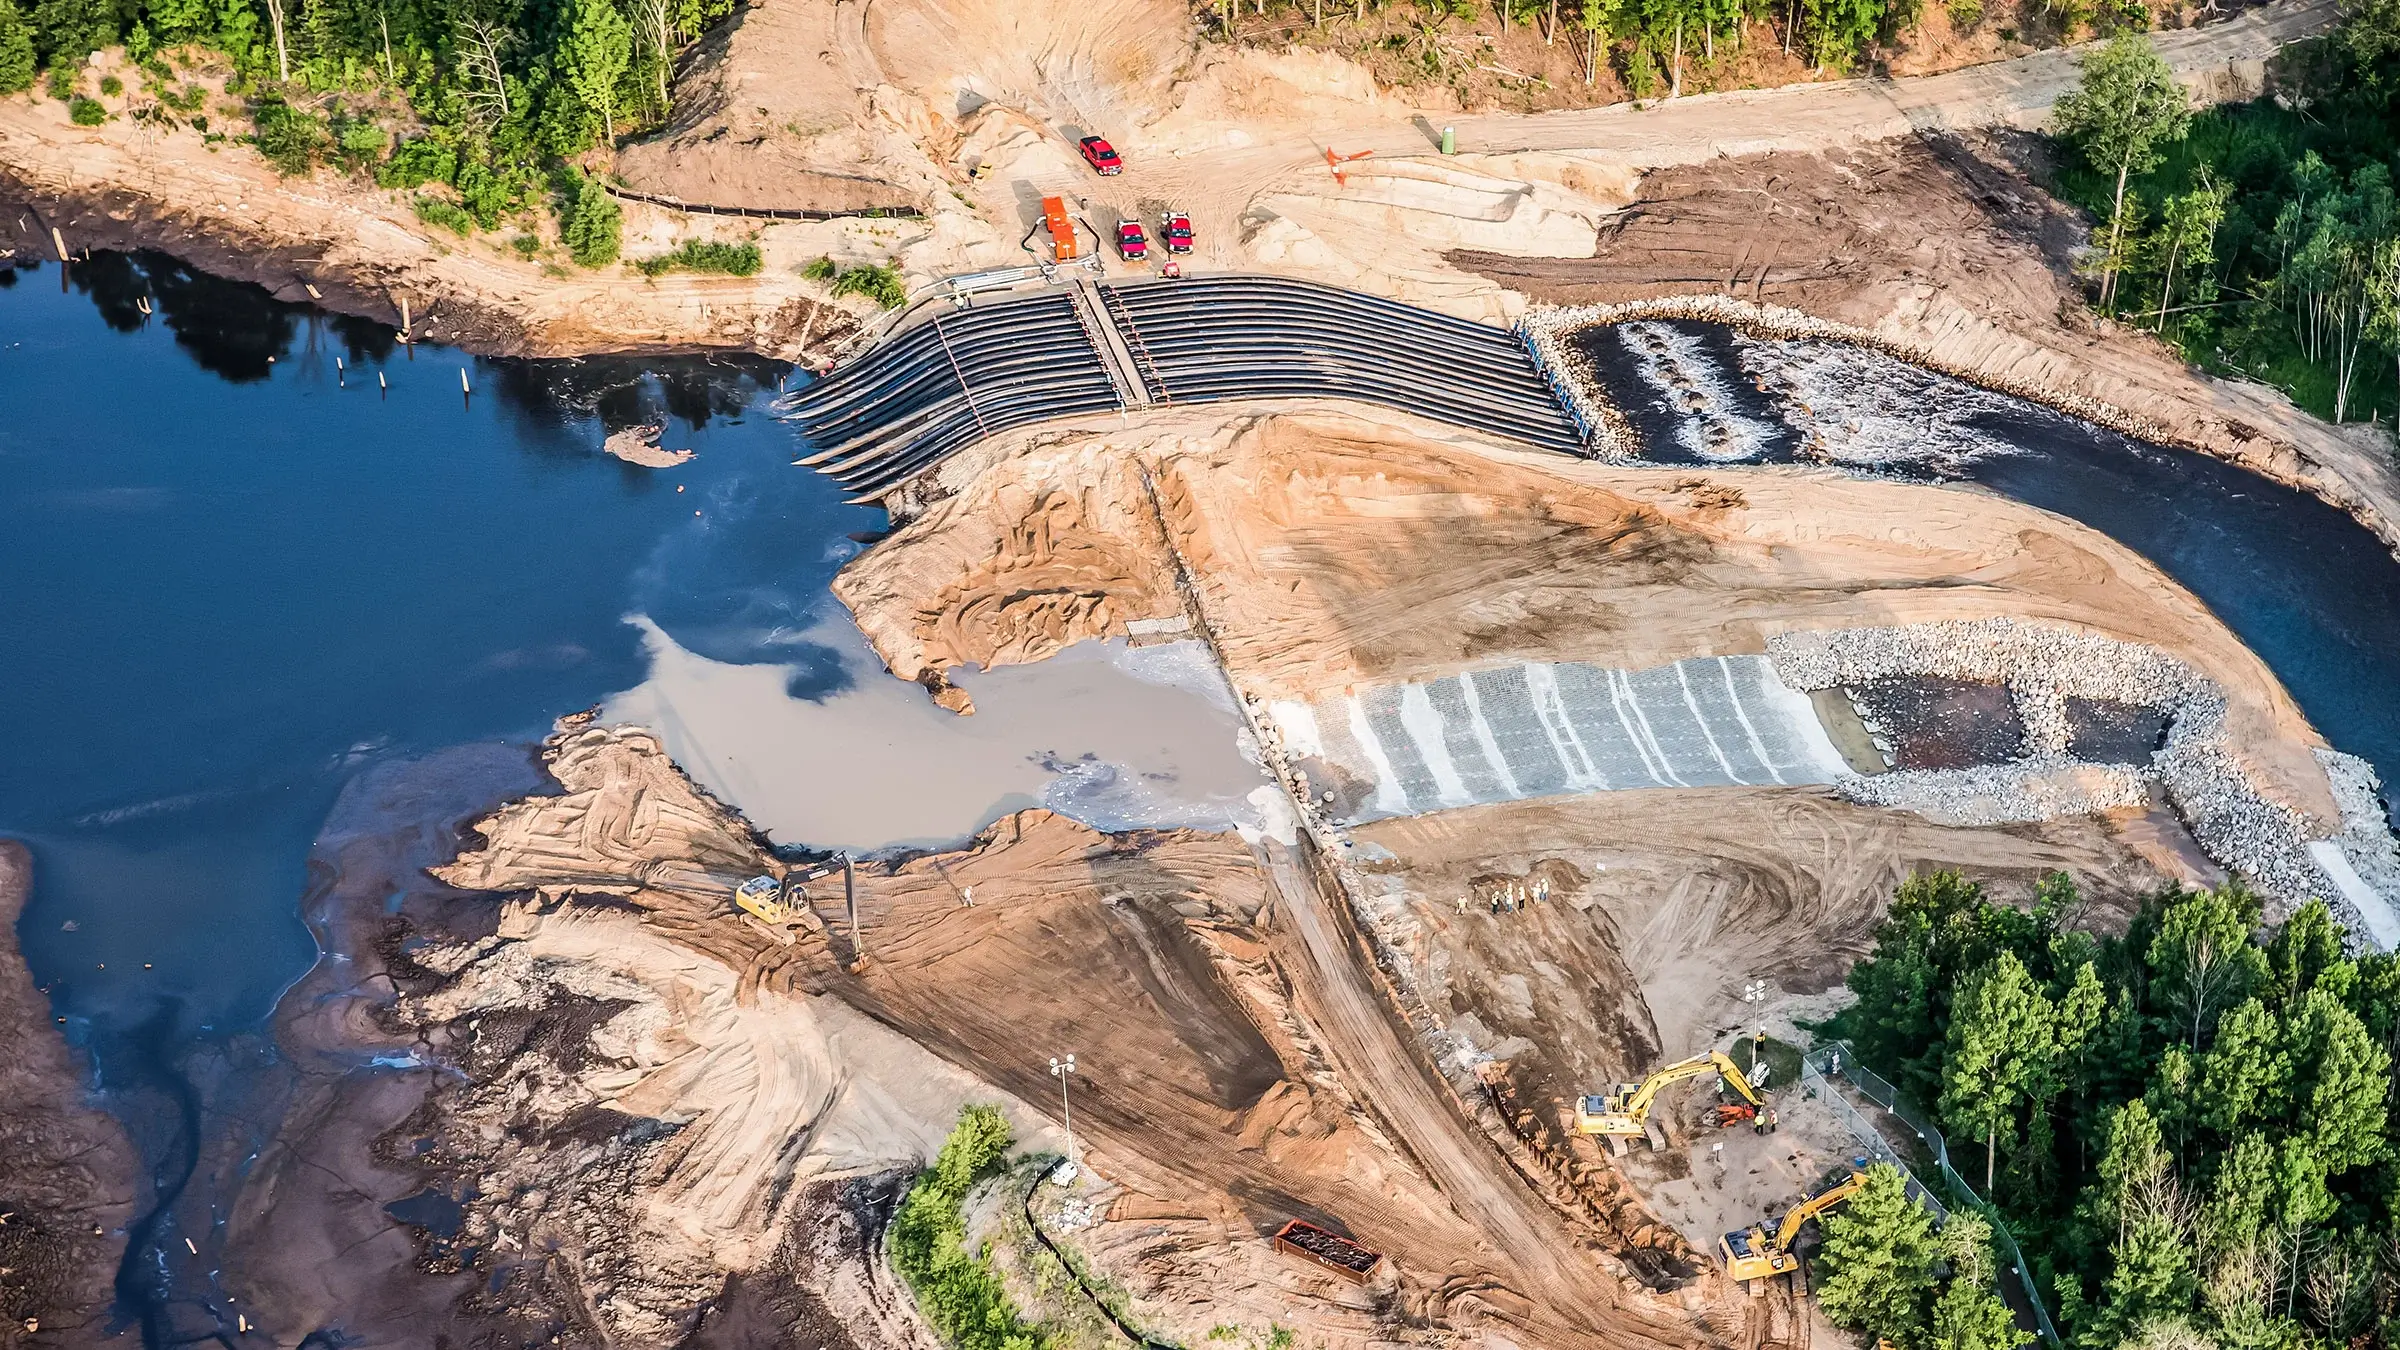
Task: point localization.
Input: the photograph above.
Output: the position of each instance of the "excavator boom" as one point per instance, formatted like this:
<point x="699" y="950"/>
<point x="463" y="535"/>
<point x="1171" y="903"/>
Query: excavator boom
<point x="1753" y="1253"/>
<point x="1625" y="1111"/>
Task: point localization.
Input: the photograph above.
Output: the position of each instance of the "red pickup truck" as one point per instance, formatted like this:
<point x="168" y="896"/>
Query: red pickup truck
<point x="1101" y="156"/>
<point x="1175" y="231"/>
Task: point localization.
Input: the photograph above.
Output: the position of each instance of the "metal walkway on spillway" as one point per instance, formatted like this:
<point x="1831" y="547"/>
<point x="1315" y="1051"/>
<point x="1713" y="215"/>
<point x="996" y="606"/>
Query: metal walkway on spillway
<point x="972" y="373"/>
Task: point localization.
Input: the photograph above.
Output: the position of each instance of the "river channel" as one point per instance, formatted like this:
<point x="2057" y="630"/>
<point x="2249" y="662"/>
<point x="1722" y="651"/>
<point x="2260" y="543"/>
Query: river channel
<point x="253" y="552"/>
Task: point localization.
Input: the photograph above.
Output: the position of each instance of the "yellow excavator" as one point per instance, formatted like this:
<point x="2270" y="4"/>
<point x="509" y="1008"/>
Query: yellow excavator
<point x="1625" y="1112"/>
<point x="774" y="904"/>
<point x="1753" y="1253"/>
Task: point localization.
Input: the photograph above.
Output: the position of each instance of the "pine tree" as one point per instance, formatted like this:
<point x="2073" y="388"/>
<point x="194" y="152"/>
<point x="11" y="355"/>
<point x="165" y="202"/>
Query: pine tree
<point x="1970" y="1316"/>
<point x="2297" y="1202"/>
<point x="2341" y="1078"/>
<point x="2173" y="1098"/>
<point x="2150" y="1273"/>
<point x="2202" y="959"/>
<point x="2134" y="1162"/>
<point x="16" y="50"/>
<point x="590" y="222"/>
<point x="2306" y="949"/>
<point x="2236" y="1215"/>
<point x="2080" y="1010"/>
<point x="2246" y="1076"/>
<point x="2002" y="1041"/>
<point x="1878" y="1260"/>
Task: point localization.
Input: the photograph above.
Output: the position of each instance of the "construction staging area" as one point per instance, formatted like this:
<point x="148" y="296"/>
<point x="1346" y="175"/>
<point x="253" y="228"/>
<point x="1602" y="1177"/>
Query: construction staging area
<point x="1587" y="645"/>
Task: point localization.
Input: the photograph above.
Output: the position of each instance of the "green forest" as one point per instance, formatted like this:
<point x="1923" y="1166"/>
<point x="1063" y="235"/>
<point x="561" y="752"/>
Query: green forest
<point x="2187" y="1127"/>
<point x="2262" y="239"/>
<point x="479" y="105"/>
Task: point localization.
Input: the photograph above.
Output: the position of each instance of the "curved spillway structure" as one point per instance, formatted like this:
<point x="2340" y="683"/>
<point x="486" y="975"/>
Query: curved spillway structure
<point x="1255" y="337"/>
<point x="944" y="385"/>
<point x="972" y="373"/>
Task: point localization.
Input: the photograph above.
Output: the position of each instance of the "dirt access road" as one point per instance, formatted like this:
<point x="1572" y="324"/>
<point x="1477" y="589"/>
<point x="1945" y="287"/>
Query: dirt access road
<point x="124" y="184"/>
<point x="1224" y="172"/>
<point x="1557" y="1286"/>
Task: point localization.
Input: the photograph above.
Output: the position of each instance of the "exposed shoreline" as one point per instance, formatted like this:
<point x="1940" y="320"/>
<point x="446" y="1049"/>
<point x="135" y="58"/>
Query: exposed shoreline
<point x="298" y="271"/>
<point x="67" y="1170"/>
<point x="370" y="266"/>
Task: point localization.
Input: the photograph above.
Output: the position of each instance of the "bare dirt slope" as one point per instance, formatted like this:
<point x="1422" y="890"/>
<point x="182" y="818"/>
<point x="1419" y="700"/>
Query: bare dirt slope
<point x="1336" y="548"/>
<point x="965" y="110"/>
<point x="1320" y="550"/>
<point x="640" y="1114"/>
<point x="1662" y="904"/>
<point x="1233" y="1062"/>
<point x="67" y="1171"/>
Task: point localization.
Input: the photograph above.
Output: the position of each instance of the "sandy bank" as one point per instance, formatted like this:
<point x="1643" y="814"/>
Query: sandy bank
<point x="67" y="1171"/>
<point x="611" y="1110"/>
<point x="1333" y="549"/>
<point x="360" y="250"/>
<point x="1321" y="552"/>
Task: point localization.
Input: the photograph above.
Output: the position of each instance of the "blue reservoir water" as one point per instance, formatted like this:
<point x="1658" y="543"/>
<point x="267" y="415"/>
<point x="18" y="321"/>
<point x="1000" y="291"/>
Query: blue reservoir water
<point x="229" y="580"/>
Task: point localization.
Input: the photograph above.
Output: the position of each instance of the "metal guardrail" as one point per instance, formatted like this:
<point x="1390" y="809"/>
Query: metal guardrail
<point x="764" y="212"/>
<point x="1821" y="1066"/>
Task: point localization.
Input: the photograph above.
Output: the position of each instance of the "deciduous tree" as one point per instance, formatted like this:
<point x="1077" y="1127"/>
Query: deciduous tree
<point x="597" y="50"/>
<point x="16" y="50"/>
<point x="2127" y="105"/>
<point x="2187" y="235"/>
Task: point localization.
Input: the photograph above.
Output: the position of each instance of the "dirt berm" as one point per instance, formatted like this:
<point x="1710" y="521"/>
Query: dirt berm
<point x="611" y="1111"/>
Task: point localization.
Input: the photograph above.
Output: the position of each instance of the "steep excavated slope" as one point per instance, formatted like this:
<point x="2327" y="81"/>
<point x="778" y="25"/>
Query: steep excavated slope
<point x="1943" y="243"/>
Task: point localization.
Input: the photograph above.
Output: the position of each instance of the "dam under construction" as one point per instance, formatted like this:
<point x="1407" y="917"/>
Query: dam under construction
<point x="963" y="376"/>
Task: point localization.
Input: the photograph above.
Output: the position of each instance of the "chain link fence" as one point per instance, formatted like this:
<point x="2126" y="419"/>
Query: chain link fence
<point x="1832" y="1073"/>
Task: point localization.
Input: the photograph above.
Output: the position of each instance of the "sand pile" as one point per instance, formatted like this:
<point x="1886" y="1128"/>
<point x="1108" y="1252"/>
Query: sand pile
<point x="1015" y="568"/>
<point x="1384" y="225"/>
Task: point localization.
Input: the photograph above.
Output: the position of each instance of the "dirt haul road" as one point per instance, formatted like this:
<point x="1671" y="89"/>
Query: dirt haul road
<point x="1554" y="1289"/>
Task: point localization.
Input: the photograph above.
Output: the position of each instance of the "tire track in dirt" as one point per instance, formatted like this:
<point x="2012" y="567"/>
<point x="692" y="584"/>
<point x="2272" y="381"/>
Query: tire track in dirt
<point x="1535" y="1282"/>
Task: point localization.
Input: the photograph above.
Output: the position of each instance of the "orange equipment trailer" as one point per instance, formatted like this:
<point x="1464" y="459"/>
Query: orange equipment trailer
<point x="1062" y="229"/>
